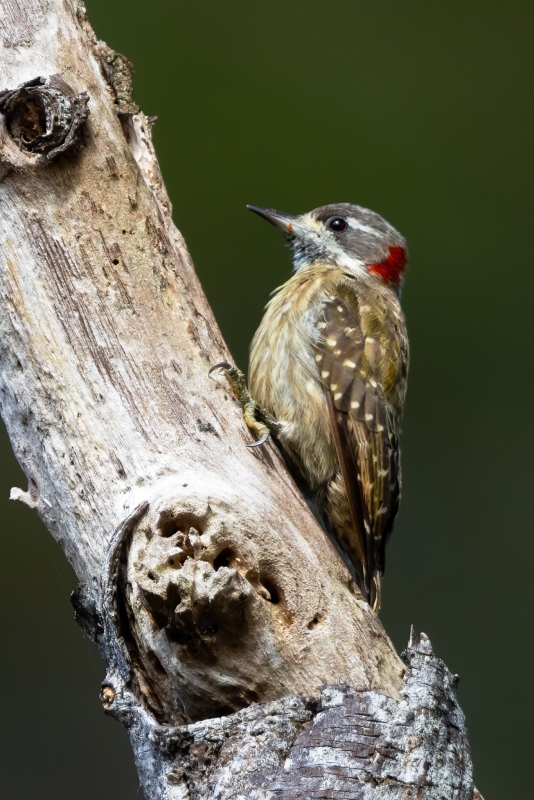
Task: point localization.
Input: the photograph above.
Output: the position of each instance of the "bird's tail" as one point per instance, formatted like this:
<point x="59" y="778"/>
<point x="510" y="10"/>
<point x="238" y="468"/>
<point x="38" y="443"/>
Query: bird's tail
<point x="374" y="600"/>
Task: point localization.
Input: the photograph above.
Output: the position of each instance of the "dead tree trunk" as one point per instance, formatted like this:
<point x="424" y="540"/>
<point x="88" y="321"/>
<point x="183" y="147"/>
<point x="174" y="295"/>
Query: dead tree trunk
<point x="240" y="655"/>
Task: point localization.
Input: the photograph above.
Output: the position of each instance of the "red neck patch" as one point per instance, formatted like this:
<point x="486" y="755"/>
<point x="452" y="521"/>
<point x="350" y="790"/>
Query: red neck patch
<point x="392" y="269"/>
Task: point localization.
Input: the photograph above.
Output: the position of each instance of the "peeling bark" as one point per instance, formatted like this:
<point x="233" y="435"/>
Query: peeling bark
<point x="205" y="581"/>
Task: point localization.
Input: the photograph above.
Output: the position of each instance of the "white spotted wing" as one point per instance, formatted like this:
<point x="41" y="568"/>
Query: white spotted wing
<point x="351" y="361"/>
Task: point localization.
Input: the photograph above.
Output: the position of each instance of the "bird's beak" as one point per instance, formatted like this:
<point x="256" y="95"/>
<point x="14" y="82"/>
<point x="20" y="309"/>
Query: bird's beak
<point x="286" y="222"/>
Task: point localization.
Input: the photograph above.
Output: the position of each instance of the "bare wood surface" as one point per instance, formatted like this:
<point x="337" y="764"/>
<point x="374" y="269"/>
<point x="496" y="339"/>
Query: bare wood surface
<point x="205" y="580"/>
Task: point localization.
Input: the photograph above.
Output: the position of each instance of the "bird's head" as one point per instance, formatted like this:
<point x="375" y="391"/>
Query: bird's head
<point x="343" y="235"/>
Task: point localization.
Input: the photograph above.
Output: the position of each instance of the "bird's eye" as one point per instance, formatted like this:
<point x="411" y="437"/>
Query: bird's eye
<point x="337" y="224"/>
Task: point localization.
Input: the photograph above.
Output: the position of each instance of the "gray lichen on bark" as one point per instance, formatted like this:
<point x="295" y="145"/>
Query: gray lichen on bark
<point x="349" y="742"/>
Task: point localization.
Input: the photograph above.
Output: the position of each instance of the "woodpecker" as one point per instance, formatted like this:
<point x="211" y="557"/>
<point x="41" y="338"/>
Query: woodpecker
<point x="327" y="374"/>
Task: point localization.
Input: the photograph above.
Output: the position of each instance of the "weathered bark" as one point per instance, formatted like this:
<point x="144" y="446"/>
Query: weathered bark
<point x="204" y="578"/>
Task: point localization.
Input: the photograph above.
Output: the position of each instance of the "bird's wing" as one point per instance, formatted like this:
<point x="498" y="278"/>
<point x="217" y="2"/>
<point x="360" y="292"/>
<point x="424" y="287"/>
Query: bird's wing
<point x="348" y="359"/>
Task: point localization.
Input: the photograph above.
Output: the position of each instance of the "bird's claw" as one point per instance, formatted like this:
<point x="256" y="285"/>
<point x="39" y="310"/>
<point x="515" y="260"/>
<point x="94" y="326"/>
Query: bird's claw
<point x="220" y="365"/>
<point x="256" y="417"/>
<point x="263" y="440"/>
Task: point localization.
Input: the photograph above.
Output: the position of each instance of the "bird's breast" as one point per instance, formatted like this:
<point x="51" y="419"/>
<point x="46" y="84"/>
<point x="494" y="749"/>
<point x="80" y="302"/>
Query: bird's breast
<point x="284" y="379"/>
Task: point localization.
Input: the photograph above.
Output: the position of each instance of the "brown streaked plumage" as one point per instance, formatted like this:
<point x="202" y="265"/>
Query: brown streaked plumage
<point x="329" y="362"/>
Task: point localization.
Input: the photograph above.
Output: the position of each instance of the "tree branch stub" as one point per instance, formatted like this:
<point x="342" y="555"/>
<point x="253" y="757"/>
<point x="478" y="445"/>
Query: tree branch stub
<point x="42" y="119"/>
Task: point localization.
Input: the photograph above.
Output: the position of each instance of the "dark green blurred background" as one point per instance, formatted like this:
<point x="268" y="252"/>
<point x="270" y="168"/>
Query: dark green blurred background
<point x="424" y="113"/>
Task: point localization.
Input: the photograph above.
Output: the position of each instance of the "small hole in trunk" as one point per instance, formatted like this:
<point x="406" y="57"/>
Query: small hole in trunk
<point x="224" y="559"/>
<point x="271" y="588"/>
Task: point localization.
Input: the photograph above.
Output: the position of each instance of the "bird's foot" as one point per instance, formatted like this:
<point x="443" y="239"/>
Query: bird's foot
<point x="256" y="417"/>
